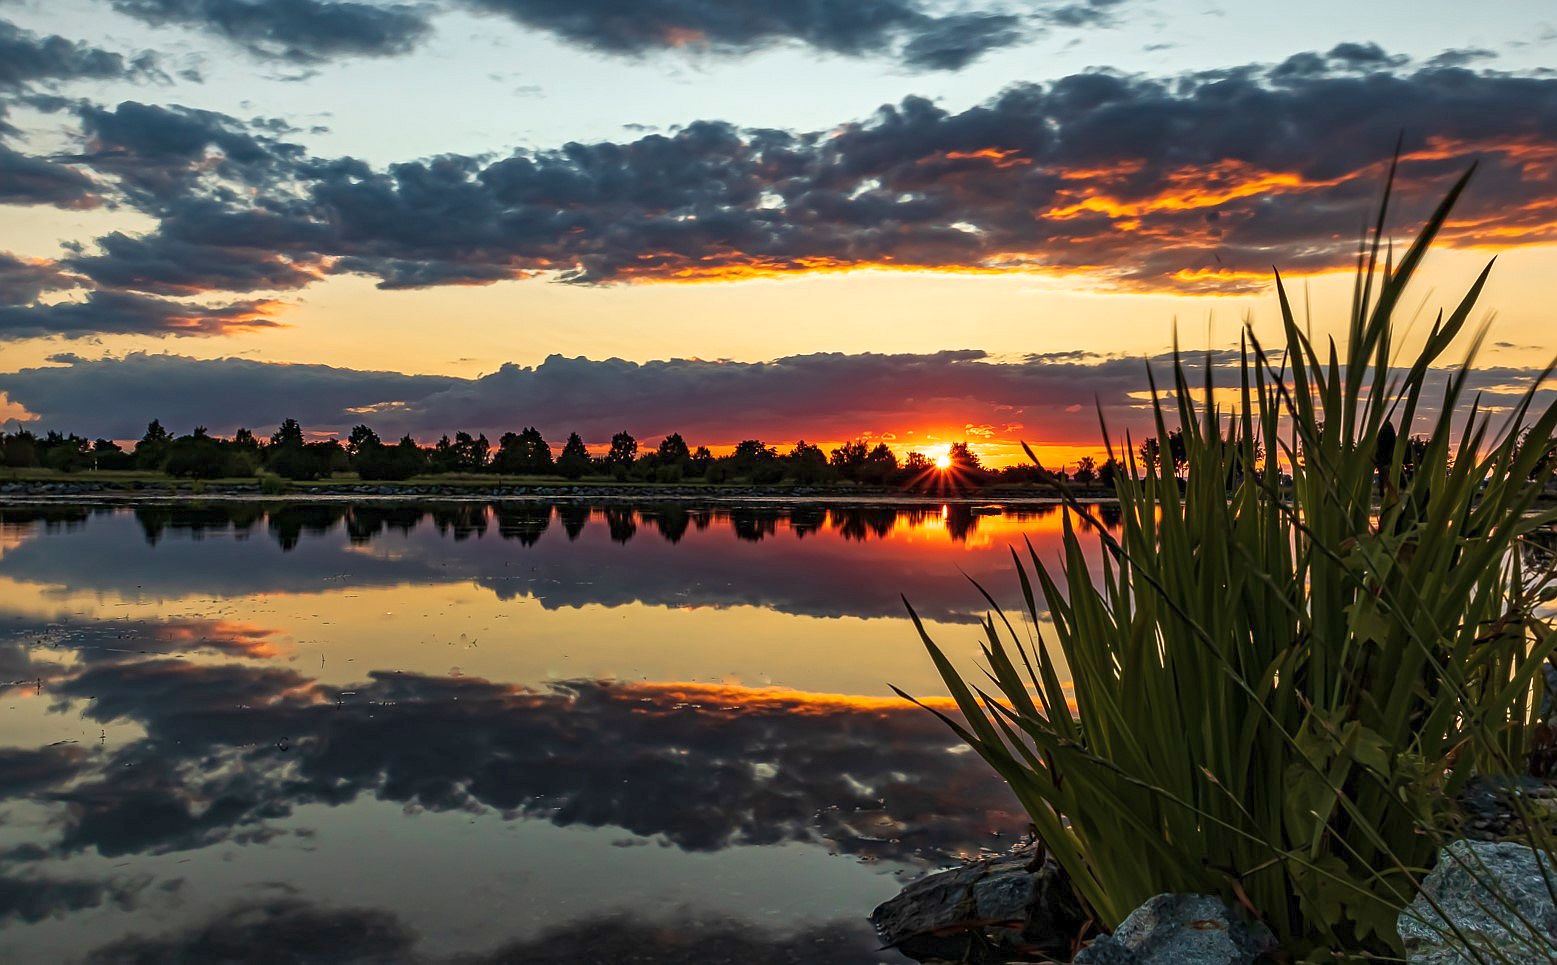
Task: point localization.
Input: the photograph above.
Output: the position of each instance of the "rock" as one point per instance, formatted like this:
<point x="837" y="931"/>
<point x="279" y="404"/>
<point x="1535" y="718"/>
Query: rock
<point x="1181" y="930"/>
<point x="994" y="909"/>
<point x="1495" y="895"/>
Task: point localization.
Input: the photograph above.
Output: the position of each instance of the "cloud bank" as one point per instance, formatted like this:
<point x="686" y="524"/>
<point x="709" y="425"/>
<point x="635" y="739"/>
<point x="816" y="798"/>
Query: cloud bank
<point x="919" y="35"/>
<point x="1192" y="183"/>
<point x="825" y="396"/>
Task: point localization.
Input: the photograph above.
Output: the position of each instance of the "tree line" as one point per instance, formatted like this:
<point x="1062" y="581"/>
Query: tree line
<point x="290" y="453"/>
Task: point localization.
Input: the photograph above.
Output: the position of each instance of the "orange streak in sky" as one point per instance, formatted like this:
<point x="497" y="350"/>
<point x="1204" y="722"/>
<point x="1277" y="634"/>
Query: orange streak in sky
<point x="999" y="157"/>
<point x="1193" y="188"/>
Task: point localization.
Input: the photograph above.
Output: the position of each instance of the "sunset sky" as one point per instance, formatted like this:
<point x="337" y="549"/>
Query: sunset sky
<point x="914" y="220"/>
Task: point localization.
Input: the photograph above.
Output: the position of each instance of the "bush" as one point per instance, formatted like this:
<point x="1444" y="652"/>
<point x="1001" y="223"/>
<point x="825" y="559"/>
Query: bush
<point x="195" y="457"/>
<point x="1278" y="692"/>
<point x="295" y="462"/>
<point x="272" y="484"/>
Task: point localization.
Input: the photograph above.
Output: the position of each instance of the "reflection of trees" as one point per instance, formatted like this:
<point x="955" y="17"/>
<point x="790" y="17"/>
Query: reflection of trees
<point x="460" y="519"/>
<point x="861" y="522"/>
<point x="289" y="522"/>
<point x="806" y="519"/>
<point x="370" y="519"/>
<point x="622" y="523"/>
<point x="672" y="521"/>
<point x="753" y="525"/>
<point x="522" y="521"/>
<point x="573" y="516"/>
<point x="196" y="519"/>
<point x="526" y="521"/>
<point x="961" y="521"/>
<point x="53" y="518"/>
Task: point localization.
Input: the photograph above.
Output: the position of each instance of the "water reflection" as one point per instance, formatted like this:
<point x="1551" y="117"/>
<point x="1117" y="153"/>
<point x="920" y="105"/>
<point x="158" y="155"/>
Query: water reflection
<point x="220" y="719"/>
<point x="677" y="555"/>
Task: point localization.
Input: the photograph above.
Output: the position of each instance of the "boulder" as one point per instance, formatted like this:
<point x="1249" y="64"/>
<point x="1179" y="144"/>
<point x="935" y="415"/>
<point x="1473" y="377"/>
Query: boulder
<point x="1009" y="907"/>
<point x="1493" y="903"/>
<point x="1181" y="930"/>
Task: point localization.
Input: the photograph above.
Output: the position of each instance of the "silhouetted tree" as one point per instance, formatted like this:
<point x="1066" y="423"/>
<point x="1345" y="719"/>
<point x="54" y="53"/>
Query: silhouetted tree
<point x="466" y="453"/>
<point x="197" y="456"/>
<point x="574" y="461"/>
<point x="152" y="448"/>
<point x="20" y="449"/>
<point x="1086" y="471"/>
<point x="400" y="461"/>
<point x="849" y="457"/>
<point x="64" y="453"/>
<point x="1177" y="452"/>
<point x="964" y="458"/>
<point x="624" y="449"/>
<point x="755" y="461"/>
<point x="1151" y="454"/>
<point x="288" y="434"/>
<point x="361" y="436"/>
<point x="107" y="454"/>
<point x="673" y="450"/>
<point x="807" y="463"/>
<point x="523" y="452"/>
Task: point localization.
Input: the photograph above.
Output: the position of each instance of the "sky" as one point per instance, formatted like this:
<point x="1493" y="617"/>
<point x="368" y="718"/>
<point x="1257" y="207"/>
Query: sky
<point x="910" y="220"/>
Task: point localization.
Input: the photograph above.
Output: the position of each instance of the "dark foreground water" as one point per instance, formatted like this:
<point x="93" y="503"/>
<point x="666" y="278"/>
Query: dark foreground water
<point x="507" y="732"/>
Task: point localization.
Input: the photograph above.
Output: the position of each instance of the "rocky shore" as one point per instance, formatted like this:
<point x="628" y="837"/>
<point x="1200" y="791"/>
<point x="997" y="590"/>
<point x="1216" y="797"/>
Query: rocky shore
<point x="1019" y="906"/>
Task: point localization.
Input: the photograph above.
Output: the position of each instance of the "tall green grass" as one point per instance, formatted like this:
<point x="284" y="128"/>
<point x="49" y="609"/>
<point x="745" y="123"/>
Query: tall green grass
<point x="1276" y="687"/>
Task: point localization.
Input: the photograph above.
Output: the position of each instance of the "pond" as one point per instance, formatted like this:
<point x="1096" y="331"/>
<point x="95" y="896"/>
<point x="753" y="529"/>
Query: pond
<point x="507" y="731"/>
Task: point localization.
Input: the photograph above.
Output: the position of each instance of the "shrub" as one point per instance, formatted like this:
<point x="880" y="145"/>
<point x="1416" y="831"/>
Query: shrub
<point x="272" y="484"/>
<point x="1276" y="692"/>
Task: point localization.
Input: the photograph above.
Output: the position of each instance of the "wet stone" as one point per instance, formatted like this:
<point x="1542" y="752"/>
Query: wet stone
<point x="1016" y="906"/>
<point x="1181" y="930"/>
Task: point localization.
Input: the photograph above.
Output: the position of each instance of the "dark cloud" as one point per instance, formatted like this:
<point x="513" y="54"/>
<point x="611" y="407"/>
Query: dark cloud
<point x="1191" y="183"/>
<point x="828" y="396"/>
<point x="820" y="396"/>
<point x="184" y="394"/>
<point x="27" y="58"/>
<point x="127" y="313"/>
<point x="952" y="43"/>
<point x="174" y="267"/>
<point x="917" y="33"/>
<point x="922" y="37"/>
<point x="27" y="180"/>
<point x="158" y="153"/>
<point x="297" y="31"/>
<point x="22" y="280"/>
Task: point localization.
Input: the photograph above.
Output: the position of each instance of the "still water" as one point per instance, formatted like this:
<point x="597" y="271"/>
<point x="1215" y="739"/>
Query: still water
<point x="484" y="731"/>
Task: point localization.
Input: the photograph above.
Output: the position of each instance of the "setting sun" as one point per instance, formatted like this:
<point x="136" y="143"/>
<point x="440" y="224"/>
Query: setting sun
<point x="943" y="461"/>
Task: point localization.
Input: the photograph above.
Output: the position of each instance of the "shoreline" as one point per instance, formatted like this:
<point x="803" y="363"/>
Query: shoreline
<point x="41" y="493"/>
